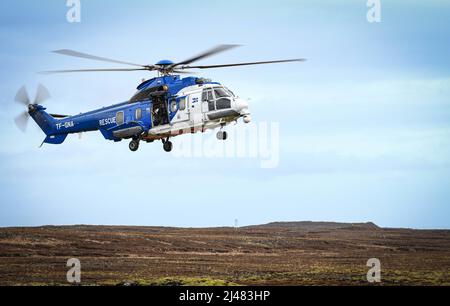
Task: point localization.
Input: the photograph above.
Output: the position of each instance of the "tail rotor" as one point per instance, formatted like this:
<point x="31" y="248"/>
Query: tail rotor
<point x="23" y="98"/>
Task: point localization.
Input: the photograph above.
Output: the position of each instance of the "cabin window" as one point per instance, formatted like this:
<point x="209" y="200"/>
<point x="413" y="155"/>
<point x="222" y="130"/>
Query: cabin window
<point x="119" y="118"/>
<point x="173" y="106"/>
<point x="223" y="103"/>
<point x="182" y="103"/>
<point x="138" y="113"/>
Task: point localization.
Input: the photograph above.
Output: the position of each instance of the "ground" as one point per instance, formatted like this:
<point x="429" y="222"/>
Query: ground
<point x="293" y="253"/>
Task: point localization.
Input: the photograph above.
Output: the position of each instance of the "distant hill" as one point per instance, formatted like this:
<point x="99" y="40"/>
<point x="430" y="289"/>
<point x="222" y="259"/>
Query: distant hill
<point x="314" y="226"/>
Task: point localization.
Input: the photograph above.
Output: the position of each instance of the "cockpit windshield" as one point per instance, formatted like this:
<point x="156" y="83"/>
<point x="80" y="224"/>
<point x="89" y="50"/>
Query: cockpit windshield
<point x="221" y="92"/>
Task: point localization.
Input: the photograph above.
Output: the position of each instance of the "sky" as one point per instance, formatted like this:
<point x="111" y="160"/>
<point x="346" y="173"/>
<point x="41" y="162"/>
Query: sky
<point x="361" y="130"/>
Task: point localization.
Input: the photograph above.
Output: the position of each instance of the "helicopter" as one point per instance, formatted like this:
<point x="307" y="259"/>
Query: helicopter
<point x="163" y="107"/>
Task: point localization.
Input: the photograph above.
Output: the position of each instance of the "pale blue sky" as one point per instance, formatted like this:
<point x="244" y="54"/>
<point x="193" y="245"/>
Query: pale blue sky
<point x="364" y="124"/>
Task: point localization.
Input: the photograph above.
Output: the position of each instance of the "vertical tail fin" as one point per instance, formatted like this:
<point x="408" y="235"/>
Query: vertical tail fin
<point x="43" y="119"/>
<point x="47" y="123"/>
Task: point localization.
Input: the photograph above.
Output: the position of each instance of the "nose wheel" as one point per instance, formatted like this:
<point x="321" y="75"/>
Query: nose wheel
<point x="134" y="145"/>
<point x="222" y="135"/>
<point x="167" y="145"/>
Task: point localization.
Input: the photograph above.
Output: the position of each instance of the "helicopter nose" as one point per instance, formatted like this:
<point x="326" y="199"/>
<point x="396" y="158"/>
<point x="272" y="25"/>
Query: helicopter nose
<point x="242" y="106"/>
<point x="242" y="109"/>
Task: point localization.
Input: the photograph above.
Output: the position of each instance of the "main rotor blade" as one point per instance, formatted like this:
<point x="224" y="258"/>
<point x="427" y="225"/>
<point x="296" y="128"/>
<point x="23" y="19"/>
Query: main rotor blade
<point x="42" y="94"/>
<point x="22" y="96"/>
<point x="242" y="64"/>
<point x="22" y="121"/>
<point x="93" y="57"/>
<point x="94" y="70"/>
<point x="208" y="53"/>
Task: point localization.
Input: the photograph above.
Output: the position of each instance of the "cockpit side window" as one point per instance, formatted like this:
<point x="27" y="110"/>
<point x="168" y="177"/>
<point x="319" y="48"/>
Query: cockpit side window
<point x="207" y="96"/>
<point x="211" y="105"/>
<point x="204" y="95"/>
<point x="210" y="95"/>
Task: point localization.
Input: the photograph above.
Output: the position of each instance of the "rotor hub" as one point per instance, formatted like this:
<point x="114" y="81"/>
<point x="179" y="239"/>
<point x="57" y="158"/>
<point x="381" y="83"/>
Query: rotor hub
<point x="164" y="63"/>
<point x="31" y="107"/>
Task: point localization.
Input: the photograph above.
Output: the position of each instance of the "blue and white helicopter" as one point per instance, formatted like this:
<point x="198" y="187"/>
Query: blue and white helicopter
<point x="163" y="107"/>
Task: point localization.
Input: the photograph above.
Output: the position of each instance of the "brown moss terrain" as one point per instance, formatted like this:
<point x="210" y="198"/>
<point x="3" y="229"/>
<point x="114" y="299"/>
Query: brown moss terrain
<point x="292" y="253"/>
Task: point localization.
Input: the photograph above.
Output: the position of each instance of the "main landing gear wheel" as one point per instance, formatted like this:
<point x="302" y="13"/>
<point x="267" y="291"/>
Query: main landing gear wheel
<point x="222" y="135"/>
<point x="134" y="145"/>
<point x="167" y="146"/>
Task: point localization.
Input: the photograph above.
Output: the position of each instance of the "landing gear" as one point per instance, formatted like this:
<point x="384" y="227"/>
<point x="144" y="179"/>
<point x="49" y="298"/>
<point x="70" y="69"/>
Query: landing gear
<point x="134" y="145"/>
<point x="222" y="135"/>
<point x="167" y="145"/>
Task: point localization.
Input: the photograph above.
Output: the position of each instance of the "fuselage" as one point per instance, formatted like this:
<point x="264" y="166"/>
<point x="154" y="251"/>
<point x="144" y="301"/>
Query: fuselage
<point x="162" y="107"/>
